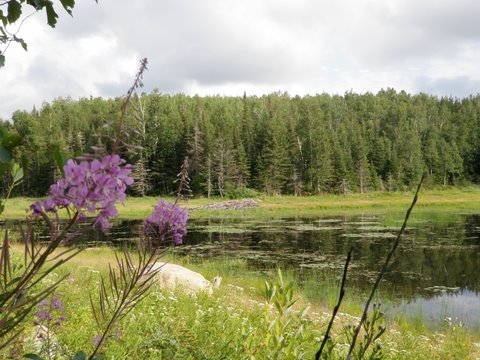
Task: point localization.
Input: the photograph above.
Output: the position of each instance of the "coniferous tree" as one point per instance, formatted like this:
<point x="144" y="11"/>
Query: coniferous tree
<point x="274" y="143"/>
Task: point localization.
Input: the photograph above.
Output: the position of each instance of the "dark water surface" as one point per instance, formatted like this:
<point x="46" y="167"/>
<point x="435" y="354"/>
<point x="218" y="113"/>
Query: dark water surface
<point x="435" y="273"/>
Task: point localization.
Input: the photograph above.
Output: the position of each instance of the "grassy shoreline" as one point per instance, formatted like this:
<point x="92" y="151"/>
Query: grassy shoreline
<point x="404" y="339"/>
<point x="218" y="325"/>
<point x="452" y="200"/>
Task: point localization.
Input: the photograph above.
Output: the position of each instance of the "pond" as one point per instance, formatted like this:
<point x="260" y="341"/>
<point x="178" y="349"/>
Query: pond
<point x="434" y="273"/>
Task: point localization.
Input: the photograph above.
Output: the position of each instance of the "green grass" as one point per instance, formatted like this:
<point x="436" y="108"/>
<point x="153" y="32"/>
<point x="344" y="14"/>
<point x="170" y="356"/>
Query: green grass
<point x="232" y="323"/>
<point x="430" y="203"/>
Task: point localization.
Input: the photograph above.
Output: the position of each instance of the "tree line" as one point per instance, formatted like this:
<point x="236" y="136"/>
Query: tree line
<point x="272" y="144"/>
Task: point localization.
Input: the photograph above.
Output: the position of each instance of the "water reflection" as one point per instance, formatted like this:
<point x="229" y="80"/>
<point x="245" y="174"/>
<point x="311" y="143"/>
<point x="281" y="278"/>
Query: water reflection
<point x="429" y="255"/>
<point x="442" y="310"/>
<point x="432" y="255"/>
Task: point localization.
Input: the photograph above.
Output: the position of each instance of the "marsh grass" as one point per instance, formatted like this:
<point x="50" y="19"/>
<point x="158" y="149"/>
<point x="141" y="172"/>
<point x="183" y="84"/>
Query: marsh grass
<point x="432" y="203"/>
<point x="233" y="322"/>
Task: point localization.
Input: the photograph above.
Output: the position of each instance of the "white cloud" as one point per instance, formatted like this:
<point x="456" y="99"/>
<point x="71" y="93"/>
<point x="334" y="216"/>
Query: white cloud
<point x="227" y="47"/>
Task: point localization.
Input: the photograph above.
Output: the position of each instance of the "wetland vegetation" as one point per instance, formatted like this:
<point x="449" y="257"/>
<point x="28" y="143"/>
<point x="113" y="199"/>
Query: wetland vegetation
<point x="431" y="204"/>
<point x="246" y="246"/>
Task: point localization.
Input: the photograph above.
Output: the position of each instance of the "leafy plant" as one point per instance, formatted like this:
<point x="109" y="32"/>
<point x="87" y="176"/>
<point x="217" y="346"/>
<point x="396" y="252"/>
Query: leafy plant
<point x="241" y="193"/>
<point x="10" y="171"/>
<point x="281" y="330"/>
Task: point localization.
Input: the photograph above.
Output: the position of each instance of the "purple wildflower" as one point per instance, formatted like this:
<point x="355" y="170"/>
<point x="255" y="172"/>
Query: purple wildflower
<point x="166" y="220"/>
<point x="43" y="316"/>
<point x="89" y="186"/>
<point x="56" y="303"/>
<point x="96" y="340"/>
<point x="49" y="312"/>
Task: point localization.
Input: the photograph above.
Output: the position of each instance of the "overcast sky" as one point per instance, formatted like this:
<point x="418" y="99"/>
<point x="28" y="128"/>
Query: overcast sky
<point x="226" y="47"/>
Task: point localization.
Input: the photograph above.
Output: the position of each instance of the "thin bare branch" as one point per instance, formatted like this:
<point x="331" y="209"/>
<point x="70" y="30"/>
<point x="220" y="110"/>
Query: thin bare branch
<point x="383" y="271"/>
<point x="326" y="337"/>
<point x="120" y="124"/>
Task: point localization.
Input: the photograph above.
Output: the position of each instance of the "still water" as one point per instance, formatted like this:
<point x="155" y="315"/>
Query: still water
<point x="434" y="273"/>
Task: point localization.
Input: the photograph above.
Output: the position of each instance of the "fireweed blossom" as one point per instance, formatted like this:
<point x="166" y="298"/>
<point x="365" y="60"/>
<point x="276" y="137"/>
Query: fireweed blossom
<point x="168" y="221"/>
<point x="89" y="186"/>
<point x="49" y="312"/>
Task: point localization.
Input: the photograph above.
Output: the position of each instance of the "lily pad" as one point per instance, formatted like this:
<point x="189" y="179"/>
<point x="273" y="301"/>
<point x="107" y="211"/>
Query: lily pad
<point x="307" y="227"/>
<point x="369" y="235"/>
<point x="441" y="288"/>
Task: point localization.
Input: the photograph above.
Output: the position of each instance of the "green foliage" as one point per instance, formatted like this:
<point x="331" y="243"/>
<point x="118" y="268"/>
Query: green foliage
<point x="370" y="346"/>
<point x="281" y="332"/>
<point x="10" y="171"/>
<point x="9" y="140"/>
<point x="280" y="294"/>
<point x="272" y="144"/>
<point x="241" y="193"/>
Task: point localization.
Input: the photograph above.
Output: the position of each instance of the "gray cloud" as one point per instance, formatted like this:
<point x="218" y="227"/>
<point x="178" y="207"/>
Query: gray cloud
<point x="43" y="75"/>
<point x="197" y="42"/>
<point x="301" y="47"/>
<point x="87" y="19"/>
<point x="458" y="87"/>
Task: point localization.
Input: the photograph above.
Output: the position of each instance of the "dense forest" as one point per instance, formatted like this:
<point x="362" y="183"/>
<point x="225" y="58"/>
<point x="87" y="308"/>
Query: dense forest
<point x="273" y="144"/>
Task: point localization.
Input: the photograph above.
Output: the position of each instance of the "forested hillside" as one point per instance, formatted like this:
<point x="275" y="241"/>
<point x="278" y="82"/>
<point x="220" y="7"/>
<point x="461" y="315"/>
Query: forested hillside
<point x="275" y="144"/>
